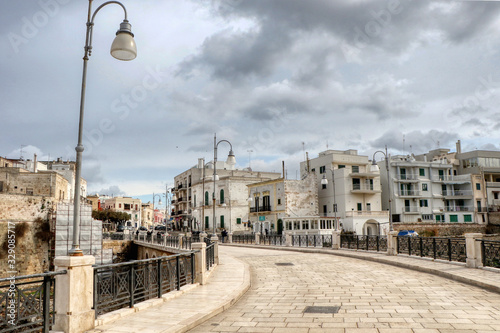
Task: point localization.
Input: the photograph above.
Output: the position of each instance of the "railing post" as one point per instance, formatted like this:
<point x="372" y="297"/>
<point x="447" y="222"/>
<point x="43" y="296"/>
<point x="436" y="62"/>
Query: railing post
<point x="367" y="242"/>
<point x="46" y="303"/>
<point x="159" y="277"/>
<point x="392" y="243"/>
<point x="74" y="290"/>
<point x="131" y="283"/>
<point x="473" y="250"/>
<point x="421" y="246"/>
<point x="178" y="273"/>
<point x="96" y="300"/>
<point x="215" y="240"/>
<point x="200" y="261"/>
<point x="288" y="240"/>
<point x="409" y="245"/>
<point x="434" y="247"/>
<point x="449" y="249"/>
<point x="193" y="271"/>
<point x="257" y="239"/>
<point x="180" y="238"/>
<point x="230" y="237"/>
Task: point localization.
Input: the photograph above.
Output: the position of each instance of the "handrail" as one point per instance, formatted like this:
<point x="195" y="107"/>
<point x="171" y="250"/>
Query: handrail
<point x="45" y="274"/>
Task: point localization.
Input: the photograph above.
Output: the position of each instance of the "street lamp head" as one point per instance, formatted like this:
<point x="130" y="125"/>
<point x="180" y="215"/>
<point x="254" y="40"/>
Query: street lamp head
<point x="123" y="47"/>
<point x="374" y="167"/>
<point x="159" y="202"/>
<point x="231" y="160"/>
<point x="249" y="199"/>
<point x="324" y="181"/>
<point x="216" y="177"/>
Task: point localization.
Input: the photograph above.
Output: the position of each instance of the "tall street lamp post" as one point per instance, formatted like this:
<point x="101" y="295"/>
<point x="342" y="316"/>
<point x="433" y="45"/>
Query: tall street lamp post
<point x="324" y="181"/>
<point x="230" y="158"/>
<point x="374" y="168"/>
<point x="123" y="48"/>
<point x="159" y="203"/>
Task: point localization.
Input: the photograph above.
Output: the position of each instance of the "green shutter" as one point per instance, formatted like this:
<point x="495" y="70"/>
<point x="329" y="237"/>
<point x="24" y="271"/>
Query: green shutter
<point x="222" y="221"/>
<point x="221" y="196"/>
<point x="453" y="218"/>
<point x="206" y="222"/>
<point x="467" y="218"/>
<point x="238" y="220"/>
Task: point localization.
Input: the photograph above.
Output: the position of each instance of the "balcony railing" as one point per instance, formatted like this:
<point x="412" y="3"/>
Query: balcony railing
<point x="362" y="187"/>
<point x="459" y="208"/>
<point x="450" y="178"/>
<point x="411" y="209"/>
<point x="409" y="193"/>
<point x="372" y="213"/>
<point x="410" y="176"/>
<point x="260" y="209"/>
<point x="453" y="193"/>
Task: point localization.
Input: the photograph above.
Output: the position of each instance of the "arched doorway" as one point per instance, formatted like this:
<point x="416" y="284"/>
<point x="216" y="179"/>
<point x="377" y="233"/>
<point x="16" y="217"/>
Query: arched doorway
<point x="371" y="228"/>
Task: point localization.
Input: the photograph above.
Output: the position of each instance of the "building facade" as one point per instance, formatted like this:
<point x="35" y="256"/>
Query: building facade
<point x="127" y="205"/>
<point x="193" y="205"/>
<point x="352" y="193"/>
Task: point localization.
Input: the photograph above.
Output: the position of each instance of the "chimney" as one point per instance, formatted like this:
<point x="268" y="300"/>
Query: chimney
<point x="307" y="161"/>
<point x="459" y="147"/>
<point x="200" y="163"/>
<point x="283" y="167"/>
<point x="34" y="163"/>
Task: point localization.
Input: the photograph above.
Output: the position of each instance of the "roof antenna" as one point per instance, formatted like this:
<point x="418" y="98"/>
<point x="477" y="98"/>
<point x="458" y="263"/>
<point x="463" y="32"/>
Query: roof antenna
<point x="403" y="144"/>
<point x="304" y="150"/>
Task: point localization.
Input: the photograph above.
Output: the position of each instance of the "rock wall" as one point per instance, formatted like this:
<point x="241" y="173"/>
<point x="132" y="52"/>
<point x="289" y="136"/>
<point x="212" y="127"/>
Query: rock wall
<point x="441" y="229"/>
<point x="24" y="208"/>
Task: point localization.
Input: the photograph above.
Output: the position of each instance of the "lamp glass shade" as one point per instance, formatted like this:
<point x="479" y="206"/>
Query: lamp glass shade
<point x="374" y="168"/>
<point x="231" y="160"/>
<point x="123" y="47"/>
<point x="216" y="177"/>
<point x="159" y="202"/>
<point x="324" y="181"/>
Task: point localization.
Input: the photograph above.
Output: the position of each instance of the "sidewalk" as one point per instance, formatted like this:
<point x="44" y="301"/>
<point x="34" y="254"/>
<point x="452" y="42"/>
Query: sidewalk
<point x="189" y="308"/>
<point x="195" y="304"/>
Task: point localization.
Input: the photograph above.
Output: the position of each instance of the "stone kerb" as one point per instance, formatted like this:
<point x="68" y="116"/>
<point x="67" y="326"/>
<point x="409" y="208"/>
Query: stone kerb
<point x="74" y="290"/>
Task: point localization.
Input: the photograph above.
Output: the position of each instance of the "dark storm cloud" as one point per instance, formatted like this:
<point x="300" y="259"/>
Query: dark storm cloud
<point x="414" y="142"/>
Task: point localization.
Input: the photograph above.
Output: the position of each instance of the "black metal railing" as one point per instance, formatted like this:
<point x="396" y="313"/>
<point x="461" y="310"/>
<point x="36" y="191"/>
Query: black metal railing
<point x="28" y="306"/>
<point x="122" y="285"/>
<point x="451" y="249"/>
<point x="244" y="239"/>
<point x="491" y="253"/>
<point x="117" y="236"/>
<point x="364" y="242"/>
<point x="273" y="240"/>
<point x="312" y="240"/>
<point x="210" y="255"/>
<point x="186" y="243"/>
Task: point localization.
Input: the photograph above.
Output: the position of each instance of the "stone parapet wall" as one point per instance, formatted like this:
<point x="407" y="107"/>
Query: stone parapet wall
<point x="441" y="229"/>
<point x="24" y="208"/>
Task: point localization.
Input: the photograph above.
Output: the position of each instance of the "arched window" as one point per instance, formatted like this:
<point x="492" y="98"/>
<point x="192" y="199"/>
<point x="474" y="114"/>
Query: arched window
<point x="221" y="196"/>
<point x="206" y="198"/>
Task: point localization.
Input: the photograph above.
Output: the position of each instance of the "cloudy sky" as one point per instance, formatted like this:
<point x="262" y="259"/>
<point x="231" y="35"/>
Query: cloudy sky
<point x="274" y="77"/>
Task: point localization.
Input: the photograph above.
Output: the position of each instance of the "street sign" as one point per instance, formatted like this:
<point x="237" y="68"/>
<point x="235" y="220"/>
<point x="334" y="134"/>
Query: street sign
<point x="262" y="218"/>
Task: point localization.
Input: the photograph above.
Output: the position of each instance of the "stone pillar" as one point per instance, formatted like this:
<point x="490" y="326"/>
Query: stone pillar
<point x="230" y="238"/>
<point x="336" y="239"/>
<point x="288" y="240"/>
<point x="203" y="234"/>
<point x="74" y="294"/>
<point x="392" y="243"/>
<point x="257" y="239"/>
<point x="215" y="240"/>
<point x="473" y="250"/>
<point x="200" y="262"/>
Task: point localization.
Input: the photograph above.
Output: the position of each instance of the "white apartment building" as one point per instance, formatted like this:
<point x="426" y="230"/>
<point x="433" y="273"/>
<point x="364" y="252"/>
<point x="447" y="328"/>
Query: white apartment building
<point x="193" y="204"/>
<point x="352" y="194"/>
<point x="430" y="188"/>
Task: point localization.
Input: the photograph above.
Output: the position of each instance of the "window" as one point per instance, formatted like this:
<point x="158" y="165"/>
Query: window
<point x="453" y="218"/>
<point x="238" y="220"/>
<point x="424" y="187"/>
<point x="424" y="203"/>
<point x="478" y="202"/>
<point x="313" y="169"/>
<point x="126" y="206"/>
<point x="323" y="186"/>
<point x="478" y="186"/>
<point x="222" y="221"/>
<point x="206" y="198"/>
<point x="422" y="172"/>
<point x="324" y="210"/>
<point x="29" y="191"/>
<point x="322" y="169"/>
<point x="355" y="169"/>
<point x="279" y="201"/>
<point x="341" y="166"/>
<point x="467" y="218"/>
<point x="427" y="217"/>
<point x="368" y="206"/>
<point x="334" y="207"/>
<point x="1" y="186"/>
<point x="119" y="205"/>
<point x="356" y="184"/>
<point x="221" y="196"/>
<point x="360" y="206"/>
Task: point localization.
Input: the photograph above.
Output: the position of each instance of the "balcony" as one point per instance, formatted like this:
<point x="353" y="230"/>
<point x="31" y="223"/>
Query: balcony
<point x="411" y="210"/>
<point x="368" y="213"/>
<point x="459" y="208"/>
<point x="457" y="193"/>
<point x="409" y="193"/>
<point x="462" y="179"/>
<point x="363" y="188"/>
<point x="260" y="209"/>
<point x="411" y="177"/>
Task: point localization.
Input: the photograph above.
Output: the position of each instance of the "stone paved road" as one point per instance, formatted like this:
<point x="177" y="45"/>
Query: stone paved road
<point x="373" y="297"/>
